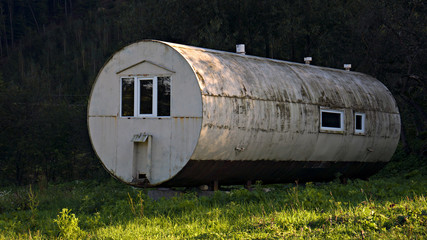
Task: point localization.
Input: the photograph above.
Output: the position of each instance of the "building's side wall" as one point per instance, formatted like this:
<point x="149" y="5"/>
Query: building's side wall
<point x="173" y="138"/>
<point x="261" y="109"/>
<point x="245" y="129"/>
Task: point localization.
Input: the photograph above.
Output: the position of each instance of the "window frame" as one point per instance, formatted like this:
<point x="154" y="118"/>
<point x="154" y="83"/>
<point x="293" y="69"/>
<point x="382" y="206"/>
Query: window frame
<point x="332" y="129"/>
<point x="137" y="96"/>
<point x="170" y="96"/>
<point x="363" y="125"/>
<point x="121" y="96"/>
<point x="137" y="102"/>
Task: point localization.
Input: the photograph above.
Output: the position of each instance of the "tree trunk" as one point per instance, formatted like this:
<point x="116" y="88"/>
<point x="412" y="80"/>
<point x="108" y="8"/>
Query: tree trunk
<point x="9" y="4"/>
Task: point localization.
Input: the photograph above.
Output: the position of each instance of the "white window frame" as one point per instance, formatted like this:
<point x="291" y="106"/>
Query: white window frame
<point x="137" y="96"/>
<point x="361" y="131"/>
<point x="332" y="129"/>
<point x="121" y="96"/>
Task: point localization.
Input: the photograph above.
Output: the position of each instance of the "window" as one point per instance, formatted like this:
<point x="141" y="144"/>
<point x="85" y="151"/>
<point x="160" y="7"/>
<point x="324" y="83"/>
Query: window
<point x="128" y="91"/>
<point x="146" y="87"/>
<point x="331" y="120"/>
<point x="145" y="97"/>
<point x="359" y="123"/>
<point x="164" y="96"/>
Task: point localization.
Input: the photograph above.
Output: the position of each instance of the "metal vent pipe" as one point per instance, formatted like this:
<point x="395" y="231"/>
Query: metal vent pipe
<point x="240" y="49"/>
<point x="347" y="67"/>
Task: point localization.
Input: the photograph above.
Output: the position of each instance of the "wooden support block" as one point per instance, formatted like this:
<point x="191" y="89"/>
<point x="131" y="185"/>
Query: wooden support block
<point x="215" y="185"/>
<point x="248" y="185"/>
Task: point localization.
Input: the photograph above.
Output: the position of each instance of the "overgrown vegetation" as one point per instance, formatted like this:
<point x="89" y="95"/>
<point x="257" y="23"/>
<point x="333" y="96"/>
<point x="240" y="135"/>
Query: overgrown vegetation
<point x="382" y="208"/>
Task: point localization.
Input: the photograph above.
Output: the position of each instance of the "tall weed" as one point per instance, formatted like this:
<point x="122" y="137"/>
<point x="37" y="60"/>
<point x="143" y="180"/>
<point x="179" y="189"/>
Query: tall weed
<point x="33" y="203"/>
<point x="68" y="225"/>
<point x="137" y="207"/>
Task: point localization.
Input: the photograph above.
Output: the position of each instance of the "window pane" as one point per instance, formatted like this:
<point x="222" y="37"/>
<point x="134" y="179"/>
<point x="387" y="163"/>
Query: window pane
<point x="358" y="122"/>
<point x="330" y="119"/>
<point x="164" y="96"/>
<point x="146" y="97"/>
<point x="127" y="97"/>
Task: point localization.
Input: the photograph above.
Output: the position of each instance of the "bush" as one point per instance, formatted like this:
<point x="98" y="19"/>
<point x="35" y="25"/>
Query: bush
<point x="68" y="225"/>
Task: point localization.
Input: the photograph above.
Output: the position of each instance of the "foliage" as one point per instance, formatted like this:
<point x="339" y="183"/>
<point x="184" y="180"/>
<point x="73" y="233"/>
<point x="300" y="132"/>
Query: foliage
<point x="382" y="208"/>
<point x="68" y="225"/>
<point x="33" y="203"/>
<point x="137" y="208"/>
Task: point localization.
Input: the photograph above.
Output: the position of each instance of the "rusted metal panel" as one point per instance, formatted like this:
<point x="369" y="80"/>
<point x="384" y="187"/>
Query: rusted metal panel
<point x="242" y="76"/>
<point x="199" y="172"/>
<point x="184" y="135"/>
<point x="269" y="109"/>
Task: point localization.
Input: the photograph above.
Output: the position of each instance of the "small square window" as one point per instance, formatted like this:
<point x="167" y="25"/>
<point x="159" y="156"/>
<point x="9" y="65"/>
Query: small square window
<point x="331" y="120"/>
<point x="359" y="123"/>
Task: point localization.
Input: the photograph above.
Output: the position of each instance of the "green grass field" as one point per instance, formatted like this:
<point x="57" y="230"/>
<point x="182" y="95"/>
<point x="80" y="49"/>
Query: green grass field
<point x="385" y="207"/>
<point x="379" y="208"/>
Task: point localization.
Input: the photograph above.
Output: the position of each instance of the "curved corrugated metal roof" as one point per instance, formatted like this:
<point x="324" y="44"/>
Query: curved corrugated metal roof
<point x="241" y="76"/>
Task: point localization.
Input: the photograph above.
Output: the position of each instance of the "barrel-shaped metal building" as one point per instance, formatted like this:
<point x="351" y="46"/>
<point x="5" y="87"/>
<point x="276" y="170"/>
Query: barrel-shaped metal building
<point x="173" y="115"/>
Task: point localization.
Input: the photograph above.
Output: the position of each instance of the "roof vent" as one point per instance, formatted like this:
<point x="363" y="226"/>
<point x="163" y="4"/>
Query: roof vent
<point x="240" y="49"/>
<point x="347" y="67"/>
<point x="307" y="60"/>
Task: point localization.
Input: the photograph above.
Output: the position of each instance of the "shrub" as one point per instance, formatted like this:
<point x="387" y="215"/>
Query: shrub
<point x="68" y="225"/>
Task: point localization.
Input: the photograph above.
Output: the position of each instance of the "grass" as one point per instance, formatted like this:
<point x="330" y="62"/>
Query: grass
<point x="381" y="208"/>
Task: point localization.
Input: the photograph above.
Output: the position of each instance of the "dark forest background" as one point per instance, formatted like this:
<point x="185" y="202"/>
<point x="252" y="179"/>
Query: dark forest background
<point x="51" y="51"/>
